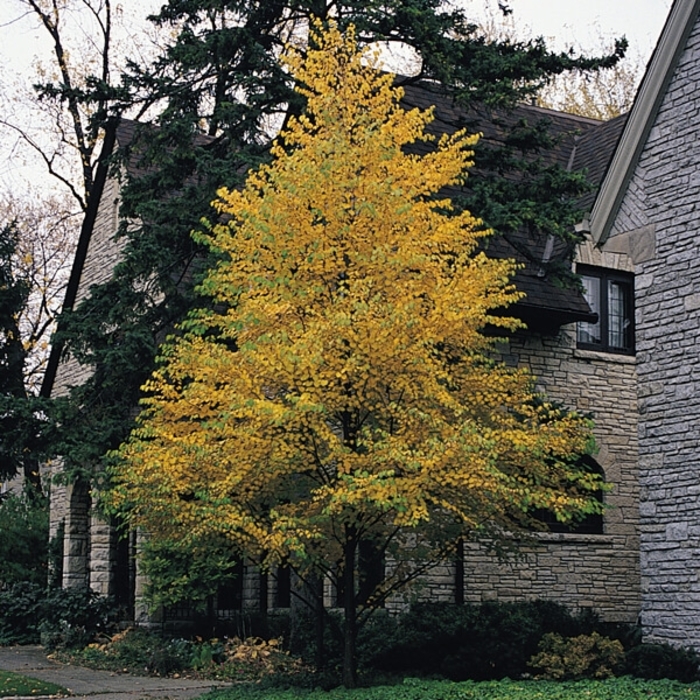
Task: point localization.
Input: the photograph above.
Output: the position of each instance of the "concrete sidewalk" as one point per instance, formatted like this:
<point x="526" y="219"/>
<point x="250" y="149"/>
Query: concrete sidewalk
<point x="99" y="685"/>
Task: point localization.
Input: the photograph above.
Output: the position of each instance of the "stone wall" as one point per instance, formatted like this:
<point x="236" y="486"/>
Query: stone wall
<point x="662" y="204"/>
<point x="598" y="571"/>
<point x="103" y="254"/>
<point x="88" y="541"/>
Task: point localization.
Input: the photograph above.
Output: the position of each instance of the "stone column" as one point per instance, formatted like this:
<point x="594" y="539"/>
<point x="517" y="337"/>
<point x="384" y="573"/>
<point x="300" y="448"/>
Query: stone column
<point x="58" y="511"/>
<point x="101" y="554"/>
<point x="141" y="611"/>
<point x="76" y="544"/>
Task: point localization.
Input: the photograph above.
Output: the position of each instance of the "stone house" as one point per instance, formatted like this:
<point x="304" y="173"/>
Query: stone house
<point x="628" y="357"/>
<point x="648" y="212"/>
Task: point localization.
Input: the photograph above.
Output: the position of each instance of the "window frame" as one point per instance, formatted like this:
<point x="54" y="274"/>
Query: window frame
<point x="605" y="276"/>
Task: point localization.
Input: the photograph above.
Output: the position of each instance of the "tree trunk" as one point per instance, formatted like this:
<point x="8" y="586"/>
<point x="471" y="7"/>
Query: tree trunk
<point x="319" y="623"/>
<point x="350" y="609"/>
<point x="16" y="357"/>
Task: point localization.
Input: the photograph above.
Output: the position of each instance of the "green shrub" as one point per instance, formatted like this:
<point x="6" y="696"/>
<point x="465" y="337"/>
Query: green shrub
<point x="136" y="651"/>
<point x="61" y="617"/>
<point x="55" y="556"/>
<point x="139" y="651"/>
<point x="24" y="524"/>
<point x="21" y="611"/>
<point x="188" y="573"/>
<point x="480" y="642"/>
<point x="573" y="658"/>
<point x="72" y="617"/>
<point x="375" y="637"/>
<point x="655" y="661"/>
<point x="303" y="642"/>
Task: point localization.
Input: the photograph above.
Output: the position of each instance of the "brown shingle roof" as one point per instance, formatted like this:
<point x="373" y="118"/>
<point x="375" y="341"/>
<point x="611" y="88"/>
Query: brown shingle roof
<point x="594" y="149"/>
<point x="581" y="144"/>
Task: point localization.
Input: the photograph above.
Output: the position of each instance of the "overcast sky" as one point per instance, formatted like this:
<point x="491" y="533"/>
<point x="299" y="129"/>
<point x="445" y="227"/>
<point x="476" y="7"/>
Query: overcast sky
<point x="564" y="23"/>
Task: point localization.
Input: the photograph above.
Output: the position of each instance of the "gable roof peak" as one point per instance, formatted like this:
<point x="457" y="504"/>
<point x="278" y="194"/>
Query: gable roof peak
<point x="672" y="42"/>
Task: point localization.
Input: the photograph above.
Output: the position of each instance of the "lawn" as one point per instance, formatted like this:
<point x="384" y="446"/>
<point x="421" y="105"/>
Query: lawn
<point x="13" y="684"/>
<point x="614" y="689"/>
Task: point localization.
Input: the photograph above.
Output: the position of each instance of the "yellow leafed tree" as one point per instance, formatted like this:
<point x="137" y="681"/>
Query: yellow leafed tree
<point x="339" y="395"/>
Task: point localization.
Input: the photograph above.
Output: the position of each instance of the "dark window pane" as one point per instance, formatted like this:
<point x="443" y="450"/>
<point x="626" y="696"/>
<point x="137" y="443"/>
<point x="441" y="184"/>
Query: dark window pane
<point x="618" y="314"/>
<point x="609" y="294"/>
<point x="589" y="524"/>
<point x="590" y="332"/>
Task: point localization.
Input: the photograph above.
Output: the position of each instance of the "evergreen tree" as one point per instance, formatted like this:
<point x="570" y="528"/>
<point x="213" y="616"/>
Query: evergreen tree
<point x="24" y="545"/>
<point x="18" y="422"/>
<point x="219" y="93"/>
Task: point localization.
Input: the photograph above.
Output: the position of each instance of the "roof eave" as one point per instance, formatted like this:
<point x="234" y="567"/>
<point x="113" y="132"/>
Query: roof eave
<point x="544" y="319"/>
<point x="646" y="105"/>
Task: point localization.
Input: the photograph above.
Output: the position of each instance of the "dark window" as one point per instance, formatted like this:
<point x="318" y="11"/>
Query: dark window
<point x="610" y="294"/>
<point x="370" y="569"/>
<point x="229" y="597"/>
<point x="589" y="524"/>
<point x="459" y="572"/>
<point x="369" y="573"/>
<point x="283" y="587"/>
<point x="123" y="583"/>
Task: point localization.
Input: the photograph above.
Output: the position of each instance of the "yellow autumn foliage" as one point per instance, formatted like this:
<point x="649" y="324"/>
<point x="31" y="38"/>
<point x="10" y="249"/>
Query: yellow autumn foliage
<point x="341" y="379"/>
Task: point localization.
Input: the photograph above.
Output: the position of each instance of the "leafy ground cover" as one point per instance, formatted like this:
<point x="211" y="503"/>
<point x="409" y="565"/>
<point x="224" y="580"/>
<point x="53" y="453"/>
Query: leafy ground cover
<point x="12" y="684"/>
<point x="139" y="652"/>
<point x="625" y="688"/>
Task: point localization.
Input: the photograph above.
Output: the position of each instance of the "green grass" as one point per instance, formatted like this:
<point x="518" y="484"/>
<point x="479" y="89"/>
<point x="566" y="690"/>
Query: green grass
<point x="411" y="689"/>
<point x="14" y="684"/>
